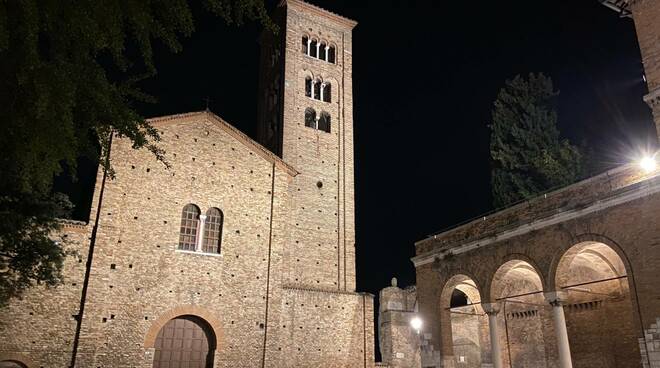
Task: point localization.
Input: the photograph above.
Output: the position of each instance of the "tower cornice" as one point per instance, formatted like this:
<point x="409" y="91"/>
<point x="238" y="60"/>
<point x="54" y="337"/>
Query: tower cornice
<point x="313" y="9"/>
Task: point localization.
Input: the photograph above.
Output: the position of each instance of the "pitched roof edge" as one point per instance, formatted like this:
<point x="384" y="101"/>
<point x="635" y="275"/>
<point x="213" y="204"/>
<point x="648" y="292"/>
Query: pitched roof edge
<point x="234" y="132"/>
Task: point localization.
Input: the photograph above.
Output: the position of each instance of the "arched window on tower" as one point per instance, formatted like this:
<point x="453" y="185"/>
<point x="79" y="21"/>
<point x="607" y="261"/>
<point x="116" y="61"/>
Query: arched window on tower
<point x="317" y="89"/>
<point x="322" y="51"/>
<point x="310" y="118"/>
<point x="305" y="45"/>
<point x="327" y="92"/>
<point x="189" y="225"/>
<point x="308" y="86"/>
<point x="331" y="54"/>
<point x="313" y="48"/>
<point x="212" y="231"/>
<point x="324" y="122"/>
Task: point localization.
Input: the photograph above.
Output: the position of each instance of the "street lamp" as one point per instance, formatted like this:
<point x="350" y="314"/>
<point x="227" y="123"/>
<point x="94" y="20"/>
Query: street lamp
<point x="416" y="323"/>
<point x="648" y="164"/>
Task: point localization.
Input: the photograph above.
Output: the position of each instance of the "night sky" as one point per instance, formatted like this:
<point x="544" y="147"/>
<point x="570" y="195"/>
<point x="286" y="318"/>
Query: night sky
<point x="425" y="77"/>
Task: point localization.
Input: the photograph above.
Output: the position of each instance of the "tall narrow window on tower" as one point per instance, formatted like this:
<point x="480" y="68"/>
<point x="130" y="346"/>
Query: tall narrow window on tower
<point x="310" y="118"/>
<point x="189" y="226"/>
<point x="308" y="86"/>
<point x="324" y="122"/>
<point x="327" y="92"/>
<point x="313" y="48"/>
<point x="323" y="51"/>
<point x="331" y="54"/>
<point x="305" y="45"/>
<point x="317" y="89"/>
<point x="318" y="49"/>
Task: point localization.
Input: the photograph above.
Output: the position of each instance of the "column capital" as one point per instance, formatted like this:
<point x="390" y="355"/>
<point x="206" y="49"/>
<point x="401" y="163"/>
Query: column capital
<point x="491" y="308"/>
<point x="202" y="217"/>
<point x="556" y="298"/>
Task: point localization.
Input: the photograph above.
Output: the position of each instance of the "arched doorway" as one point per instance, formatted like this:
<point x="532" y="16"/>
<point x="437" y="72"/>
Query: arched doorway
<point x="598" y="309"/>
<point x="467" y="338"/>
<point x="523" y="315"/>
<point x="185" y="342"/>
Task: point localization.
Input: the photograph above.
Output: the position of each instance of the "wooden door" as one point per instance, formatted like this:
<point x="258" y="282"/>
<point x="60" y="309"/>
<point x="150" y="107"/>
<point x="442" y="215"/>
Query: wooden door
<point x="184" y="343"/>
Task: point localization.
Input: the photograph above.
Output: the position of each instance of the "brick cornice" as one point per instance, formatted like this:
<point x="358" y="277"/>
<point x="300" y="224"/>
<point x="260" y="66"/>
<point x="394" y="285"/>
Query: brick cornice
<point x="316" y="10"/>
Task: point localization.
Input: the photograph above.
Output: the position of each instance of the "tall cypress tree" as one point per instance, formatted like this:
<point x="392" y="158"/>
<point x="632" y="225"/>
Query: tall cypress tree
<point x="527" y="152"/>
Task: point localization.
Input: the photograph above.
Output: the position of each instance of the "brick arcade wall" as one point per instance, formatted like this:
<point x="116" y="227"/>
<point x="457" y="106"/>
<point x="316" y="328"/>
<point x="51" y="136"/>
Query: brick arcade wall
<point x="630" y="228"/>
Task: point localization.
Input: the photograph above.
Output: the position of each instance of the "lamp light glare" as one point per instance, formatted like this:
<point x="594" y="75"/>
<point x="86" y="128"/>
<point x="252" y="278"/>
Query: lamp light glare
<point x="648" y="164"/>
<point x="416" y="323"/>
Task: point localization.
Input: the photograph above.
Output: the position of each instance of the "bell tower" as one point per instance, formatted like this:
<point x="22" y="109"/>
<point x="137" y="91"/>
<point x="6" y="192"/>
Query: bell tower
<point x="306" y="117"/>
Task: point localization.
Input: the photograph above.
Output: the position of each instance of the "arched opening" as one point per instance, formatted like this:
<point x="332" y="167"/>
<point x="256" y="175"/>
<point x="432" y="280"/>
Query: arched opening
<point x="308" y="86"/>
<point x="331" y="54"/>
<point x="313" y="48"/>
<point x="310" y="118"/>
<point x="523" y="316"/>
<point x="305" y="45"/>
<point x="466" y="338"/>
<point x="317" y="90"/>
<point x="324" y="122"/>
<point x="598" y="308"/>
<point x="185" y="341"/>
<point x="322" y="51"/>
<point x="12" y="364"/>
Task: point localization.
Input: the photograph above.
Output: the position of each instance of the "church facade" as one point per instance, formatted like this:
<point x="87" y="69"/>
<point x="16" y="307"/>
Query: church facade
<point x="240" y="254"/>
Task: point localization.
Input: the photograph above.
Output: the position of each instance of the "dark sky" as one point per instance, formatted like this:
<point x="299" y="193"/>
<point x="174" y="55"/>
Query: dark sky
<point x="425" y="77"/>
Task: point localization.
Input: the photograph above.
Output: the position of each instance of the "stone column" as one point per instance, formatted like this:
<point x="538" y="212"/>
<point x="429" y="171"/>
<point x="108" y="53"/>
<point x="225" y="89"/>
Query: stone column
<point x="492" y="309"/>
<point x="318" y="46"/>
<point x="322" y="88"/>
<point x="555" y="299"/>
<point x="200" y="234"/>
<point x="309" y="47"/>
<point x="326" y="52"/>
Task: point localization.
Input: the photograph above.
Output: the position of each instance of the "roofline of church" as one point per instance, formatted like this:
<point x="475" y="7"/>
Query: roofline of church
<point x="638" y="185"/>
<point x="346" y="22"/>
<point x="234" y="132"/>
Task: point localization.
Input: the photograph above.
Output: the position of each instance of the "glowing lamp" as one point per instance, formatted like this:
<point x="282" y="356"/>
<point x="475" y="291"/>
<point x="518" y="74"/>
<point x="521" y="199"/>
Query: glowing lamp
<point x="648" y="164"/>
<point x="416" y="323"/>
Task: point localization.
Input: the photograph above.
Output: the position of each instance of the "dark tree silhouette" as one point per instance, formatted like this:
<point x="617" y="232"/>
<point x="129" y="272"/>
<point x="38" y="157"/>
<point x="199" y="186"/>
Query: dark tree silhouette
<point x="527" y="152"/>
<point x="59" y="103"/>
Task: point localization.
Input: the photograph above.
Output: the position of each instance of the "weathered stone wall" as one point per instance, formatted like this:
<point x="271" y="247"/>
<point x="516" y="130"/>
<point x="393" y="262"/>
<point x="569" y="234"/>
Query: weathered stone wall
<point x="398" y="341"/>
<point x="40" y="327"/>
<point x="646" y="14"/>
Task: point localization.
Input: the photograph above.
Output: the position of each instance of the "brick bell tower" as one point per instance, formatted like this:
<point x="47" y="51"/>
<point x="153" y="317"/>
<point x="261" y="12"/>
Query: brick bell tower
<point x="306" y="116"/>
<point x="646" y="15"/>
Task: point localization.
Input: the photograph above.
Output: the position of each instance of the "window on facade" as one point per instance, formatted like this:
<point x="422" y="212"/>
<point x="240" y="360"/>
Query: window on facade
<point x="331" y="55"/>
<point x="305" y="45"/>
<point x="310" y="118"/>
<point x="324" y="122"/>
<point x="308" y="87"/>
<point x="189" y="226"/>
<point x="212" y="231"/>
<point x="317" y="89"/>
<point x="327" y="92"/>
<point x="313" y="46"/>
<point x="322" y="51"/>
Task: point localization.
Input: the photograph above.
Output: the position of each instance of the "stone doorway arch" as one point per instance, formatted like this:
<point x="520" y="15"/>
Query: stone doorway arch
<point x="185" y="342"/>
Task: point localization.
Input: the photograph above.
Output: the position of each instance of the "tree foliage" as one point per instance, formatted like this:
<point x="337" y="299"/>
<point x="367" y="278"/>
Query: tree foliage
<point x="528" y="154"/>
<point x="67" y="79"/>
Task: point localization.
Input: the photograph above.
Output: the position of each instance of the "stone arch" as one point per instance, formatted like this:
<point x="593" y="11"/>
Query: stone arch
<point x="589" y="237"/>
<point x="517" y="287"/>
<point x="460" y="324"/>
<point x="17" y="358"/>
<point x="183" y="310"/>
<point x="594" y="279"/>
